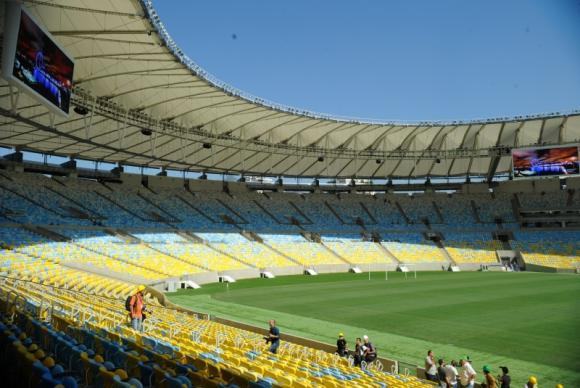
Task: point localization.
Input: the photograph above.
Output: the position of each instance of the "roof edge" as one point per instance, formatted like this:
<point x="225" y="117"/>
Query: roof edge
<point x="154" y="18"/>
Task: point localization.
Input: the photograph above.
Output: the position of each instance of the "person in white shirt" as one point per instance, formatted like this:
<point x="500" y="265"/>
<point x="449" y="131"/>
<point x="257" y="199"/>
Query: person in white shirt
<point x="467" y="374"/>
<point x="451" y="374"/>
<point x="430" y="367"/>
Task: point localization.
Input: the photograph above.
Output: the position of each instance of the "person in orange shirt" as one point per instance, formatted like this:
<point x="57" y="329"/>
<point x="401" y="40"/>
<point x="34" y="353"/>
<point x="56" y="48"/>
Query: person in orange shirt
<point x="137" y="307"/>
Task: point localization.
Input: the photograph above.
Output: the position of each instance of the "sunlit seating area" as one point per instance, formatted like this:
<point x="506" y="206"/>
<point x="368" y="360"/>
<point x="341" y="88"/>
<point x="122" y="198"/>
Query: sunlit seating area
<point x="139" y="255"/>
<point x="92" y="338"/>
<point x="21" y="267"/>
<point x="299" y="249"/>
<point x="557" y="249"/>
<point x="412" y="248"/>
<point x="68" y="253"/>
<point x="201" y="255"/>
<point x="356" y="251"/>
<point x="472" y="247"/>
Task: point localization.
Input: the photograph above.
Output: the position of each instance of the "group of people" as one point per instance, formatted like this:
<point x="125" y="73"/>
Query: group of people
<point x="447" y="375"/>
<point x="364" y="350"/>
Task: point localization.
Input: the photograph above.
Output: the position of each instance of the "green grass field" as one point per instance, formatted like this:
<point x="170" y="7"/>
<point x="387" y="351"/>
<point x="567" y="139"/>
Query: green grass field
<point x="527" y="321"/>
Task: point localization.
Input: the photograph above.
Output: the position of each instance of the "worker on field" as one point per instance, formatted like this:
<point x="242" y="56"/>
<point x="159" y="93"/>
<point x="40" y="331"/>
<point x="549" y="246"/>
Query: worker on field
<point x="532" y="382"/>
<point x="489" y="381"/>
<point x="341" y="348"/>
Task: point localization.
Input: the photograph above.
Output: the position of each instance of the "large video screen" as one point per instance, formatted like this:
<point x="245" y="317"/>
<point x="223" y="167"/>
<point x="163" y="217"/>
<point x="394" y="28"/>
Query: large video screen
<point x="34" y="62"/>
<point x="534" y="162"/>
<point x="41" y="65"/>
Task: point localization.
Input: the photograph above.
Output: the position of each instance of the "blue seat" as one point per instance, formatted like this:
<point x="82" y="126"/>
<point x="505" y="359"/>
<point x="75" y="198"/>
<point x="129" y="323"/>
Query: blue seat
<point x="177" y="382"/>
<point x="259" y="384"/>
<point x="131" y="383"/>
<point x="69" y="382"/>
<point x="147" y="374"/>
<point x="38" y="369"/>
<point x="48" y="381"/>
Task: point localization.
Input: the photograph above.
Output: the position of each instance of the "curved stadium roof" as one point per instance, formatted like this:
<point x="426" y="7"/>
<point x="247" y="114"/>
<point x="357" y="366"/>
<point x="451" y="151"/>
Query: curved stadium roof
<point x="130" y="75"/>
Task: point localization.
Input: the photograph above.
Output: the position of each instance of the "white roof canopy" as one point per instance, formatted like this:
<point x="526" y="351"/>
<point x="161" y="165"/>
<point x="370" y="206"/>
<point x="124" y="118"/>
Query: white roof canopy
<point x="130" y="75"/>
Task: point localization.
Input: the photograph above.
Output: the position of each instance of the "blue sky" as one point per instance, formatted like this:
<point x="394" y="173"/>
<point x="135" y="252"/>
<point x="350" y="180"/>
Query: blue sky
<point x="393" y="60"/>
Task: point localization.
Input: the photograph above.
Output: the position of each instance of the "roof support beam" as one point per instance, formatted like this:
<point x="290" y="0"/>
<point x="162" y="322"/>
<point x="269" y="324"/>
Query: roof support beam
<point x="165" y="85"/>
<point x="125" y="73"/>
<point x="99" y="32"/>
<point x="82" y="9"/>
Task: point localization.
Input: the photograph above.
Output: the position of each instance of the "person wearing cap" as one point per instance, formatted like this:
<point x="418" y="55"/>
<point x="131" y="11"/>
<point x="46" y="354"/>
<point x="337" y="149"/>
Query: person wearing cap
<point x="489" y="379"/>
<point x="468" y="374"/>
<point x="430" y="367"/>
<point x="505" y="380"/>
<point x="137" y="306"/>
<point x="370" y="352"/>
<point x="341" y="349"/>
<point x="559" y="386"/>
<point x="532" y="382"/>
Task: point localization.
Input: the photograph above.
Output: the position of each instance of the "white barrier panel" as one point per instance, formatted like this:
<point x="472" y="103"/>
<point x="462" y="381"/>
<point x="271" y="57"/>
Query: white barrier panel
<point x="227" y="279"/>
<point x="191" y="284"/>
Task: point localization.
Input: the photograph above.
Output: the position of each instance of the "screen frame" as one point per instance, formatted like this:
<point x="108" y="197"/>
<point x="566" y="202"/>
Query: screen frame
<point x="12" y="16"/>
<point x="572" y="145"/>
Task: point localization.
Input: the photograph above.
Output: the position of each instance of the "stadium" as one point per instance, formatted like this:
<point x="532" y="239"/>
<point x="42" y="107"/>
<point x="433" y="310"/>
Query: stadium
<point x="154" y="219"/>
